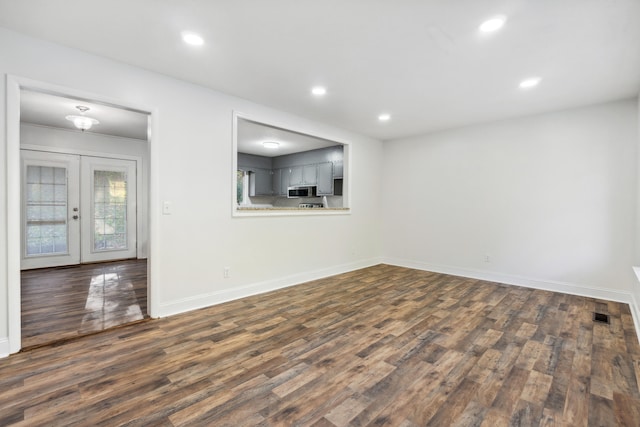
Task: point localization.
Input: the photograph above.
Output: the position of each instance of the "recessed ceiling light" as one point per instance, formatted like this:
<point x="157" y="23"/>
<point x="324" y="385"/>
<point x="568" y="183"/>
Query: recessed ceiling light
<point x="271" y="144"/>
<point x="319" y="90"/>
<point x="530" y="82"/>
<point x="384" y="117"/>
<point x="493" y="24"/>
<point x="192" y="39"/>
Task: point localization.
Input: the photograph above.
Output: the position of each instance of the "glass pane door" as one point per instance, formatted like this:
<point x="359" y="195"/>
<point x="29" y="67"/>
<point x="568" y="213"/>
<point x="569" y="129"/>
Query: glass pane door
<point x="50" y="225"/>
<point x="47" y="232"/>
<point x="109" y="207"/>
<point x="109" y="210"/>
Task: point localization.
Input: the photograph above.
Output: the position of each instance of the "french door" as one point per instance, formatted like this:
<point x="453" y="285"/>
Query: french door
<point x="76" y="209"/>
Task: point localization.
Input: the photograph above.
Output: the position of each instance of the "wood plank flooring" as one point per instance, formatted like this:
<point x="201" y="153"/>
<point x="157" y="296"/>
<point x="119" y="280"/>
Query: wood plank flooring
<point x="379" y="346"/>
<point x="65" y="302"/>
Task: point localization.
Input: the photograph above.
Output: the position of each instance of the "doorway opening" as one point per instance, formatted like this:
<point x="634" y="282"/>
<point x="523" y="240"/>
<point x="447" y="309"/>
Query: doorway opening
<point x="83" y="217"/>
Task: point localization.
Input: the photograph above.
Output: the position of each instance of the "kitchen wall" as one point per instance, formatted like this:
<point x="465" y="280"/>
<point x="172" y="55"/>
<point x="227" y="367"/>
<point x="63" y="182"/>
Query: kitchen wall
<point x="191" y="166"/>
<point x="546" y="201"/>
<point x="88" y="143"/>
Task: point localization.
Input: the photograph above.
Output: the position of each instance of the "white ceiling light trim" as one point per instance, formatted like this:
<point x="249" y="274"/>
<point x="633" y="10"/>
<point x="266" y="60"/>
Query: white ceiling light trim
<point x="319" y="90"/>
<point x="529" y="83"/>
<point x="192" y="39"/>
<point x="493" y="24"/>
<point x="271" y="145"/>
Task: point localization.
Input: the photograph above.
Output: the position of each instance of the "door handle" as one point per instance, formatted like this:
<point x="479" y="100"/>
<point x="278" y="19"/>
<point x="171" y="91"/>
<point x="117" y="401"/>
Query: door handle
<point x="75" y="217"/>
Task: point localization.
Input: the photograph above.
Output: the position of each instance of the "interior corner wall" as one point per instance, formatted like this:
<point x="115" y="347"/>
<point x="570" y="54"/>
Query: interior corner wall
<point x="636" y="284"/>
<point x="191" y="166"/>
<point x="546" y="201"/>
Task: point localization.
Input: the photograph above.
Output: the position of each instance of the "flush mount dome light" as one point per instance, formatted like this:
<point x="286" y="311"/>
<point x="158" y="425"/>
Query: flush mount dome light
<point x="529" y="83"/>
<point x="192" y="39"/>
<point x="319" y="91"/>
<point x="271" y="144"/>
<point x="493" y="24"/>
<point x="384" y="117"/>
<point x="82" y="122"/>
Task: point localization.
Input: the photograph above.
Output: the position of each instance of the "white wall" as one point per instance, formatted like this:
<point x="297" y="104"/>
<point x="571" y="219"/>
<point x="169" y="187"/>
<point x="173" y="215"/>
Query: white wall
<point x="89" y="143"/>
<point x="550" y="198"/>
<point x="636" y="285"/>
<point x="191" y="157"/>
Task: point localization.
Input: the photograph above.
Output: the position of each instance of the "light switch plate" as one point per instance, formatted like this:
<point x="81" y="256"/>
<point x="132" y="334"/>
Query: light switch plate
<point x="166" y="208"/>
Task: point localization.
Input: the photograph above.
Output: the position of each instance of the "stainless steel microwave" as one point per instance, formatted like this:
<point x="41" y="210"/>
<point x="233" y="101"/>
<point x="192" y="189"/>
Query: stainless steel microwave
<point x="296" y="192"/>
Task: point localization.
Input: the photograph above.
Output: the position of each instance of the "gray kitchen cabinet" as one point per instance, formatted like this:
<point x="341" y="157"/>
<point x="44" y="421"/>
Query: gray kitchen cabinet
<point x="260" y="182"/>
<point x="310" y="174"/>
<point x="277" y="182"/>
<point x="338" y="169"/>
<point x="280" y="181"/>
<point x="295" y="176"/>
<point x="325" y="179"/>
<point x="303" y="175"/>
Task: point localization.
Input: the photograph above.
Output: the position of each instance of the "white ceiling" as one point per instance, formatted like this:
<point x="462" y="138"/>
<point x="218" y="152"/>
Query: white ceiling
<point x="251" y="135"/>
<point x="51" y="110"/>
<point x="424" y="62"/>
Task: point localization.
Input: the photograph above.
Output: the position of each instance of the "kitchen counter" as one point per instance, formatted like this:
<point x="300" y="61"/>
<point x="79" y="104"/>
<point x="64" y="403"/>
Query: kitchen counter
<point x="275" y="208"/>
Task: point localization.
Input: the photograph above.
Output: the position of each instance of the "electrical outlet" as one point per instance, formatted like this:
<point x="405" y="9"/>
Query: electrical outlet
<point x="487" y="258"/>
<point x="226" y="272"/>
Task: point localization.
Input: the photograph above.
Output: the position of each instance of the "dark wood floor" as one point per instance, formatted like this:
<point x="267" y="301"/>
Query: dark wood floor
<point x="65" y="302"/>
<point x="379" y="346"/>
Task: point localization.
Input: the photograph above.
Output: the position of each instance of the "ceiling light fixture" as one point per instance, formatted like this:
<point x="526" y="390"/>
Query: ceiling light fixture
<point x="271" y="144"/>
<point x="82" y="122"/>
<point x="319" y="91"/>
<point x="192" y="39"/>
<point x="493" y="24"/>
<point x="384" y="117"/>
<point x="530" y="82"/>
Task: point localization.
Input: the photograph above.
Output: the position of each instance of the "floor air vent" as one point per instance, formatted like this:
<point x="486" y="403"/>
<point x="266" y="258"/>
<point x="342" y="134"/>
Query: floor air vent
<point x="601" y="318"/>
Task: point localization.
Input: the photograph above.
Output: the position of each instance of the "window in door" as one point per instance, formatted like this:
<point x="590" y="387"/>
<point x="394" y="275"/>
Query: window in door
<point x="46" y="210"/>
<point x="110" y="210"/>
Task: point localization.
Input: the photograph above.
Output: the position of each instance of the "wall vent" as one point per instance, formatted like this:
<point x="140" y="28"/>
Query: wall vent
<point x="601" y="318"/>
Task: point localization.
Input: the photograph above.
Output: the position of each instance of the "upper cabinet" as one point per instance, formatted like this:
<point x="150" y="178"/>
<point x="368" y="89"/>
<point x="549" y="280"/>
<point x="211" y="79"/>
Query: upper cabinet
<point x="260" y="182"/>
<point x="272" y="176"/>
<point x="338" y="168"/>
<point x="325" y="179"/>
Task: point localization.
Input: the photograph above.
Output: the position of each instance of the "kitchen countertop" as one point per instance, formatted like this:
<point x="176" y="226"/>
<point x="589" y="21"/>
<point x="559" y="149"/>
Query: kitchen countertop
<point x="275" y="208"/>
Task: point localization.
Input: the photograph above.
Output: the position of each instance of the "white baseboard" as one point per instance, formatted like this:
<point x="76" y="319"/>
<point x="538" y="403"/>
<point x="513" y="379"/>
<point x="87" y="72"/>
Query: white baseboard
<point x="4" y="347"/>
<point x="527" y="282"/>
<point x="213" y="298"/>
<point x="635" y="314"/>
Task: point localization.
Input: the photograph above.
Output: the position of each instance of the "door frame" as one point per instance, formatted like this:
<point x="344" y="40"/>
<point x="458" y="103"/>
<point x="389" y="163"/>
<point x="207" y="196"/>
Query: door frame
<point x="14" y="85"/>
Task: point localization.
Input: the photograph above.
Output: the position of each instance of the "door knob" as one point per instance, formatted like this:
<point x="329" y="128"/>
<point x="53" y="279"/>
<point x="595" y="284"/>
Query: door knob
<point x="75" y="217"/>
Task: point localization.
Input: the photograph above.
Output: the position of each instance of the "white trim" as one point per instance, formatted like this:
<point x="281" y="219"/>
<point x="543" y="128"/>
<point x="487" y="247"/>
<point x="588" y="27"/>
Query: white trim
<point x="4" y="347"/>
<point x="635" y="314"/>
<point x="527" y="282"/>
<point x="14" y="84"/>
<point x="206" y="300"/>
<point x="635" y="304"/>
<point x="13" y="215"/>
